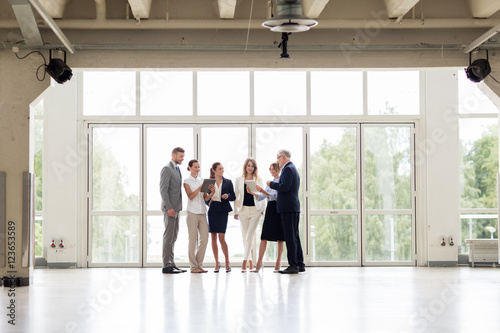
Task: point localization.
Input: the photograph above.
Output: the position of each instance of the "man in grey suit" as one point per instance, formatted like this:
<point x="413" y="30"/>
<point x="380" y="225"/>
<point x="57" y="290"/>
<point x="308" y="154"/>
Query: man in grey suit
<point x="171" y="205"/>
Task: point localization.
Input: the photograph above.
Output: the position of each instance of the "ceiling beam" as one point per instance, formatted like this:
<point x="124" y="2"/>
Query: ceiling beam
<point x="483" y="8"/>
<point x="226" y="8"/>
<point x="55" y="8"/>
<point x="50" y="22"/>
<point x="140" y="8"/>
<point x="398" y="8"/>
<point x="313" y="8"/>
<point x="201" y="24"/>
<point x="27" y="22"/>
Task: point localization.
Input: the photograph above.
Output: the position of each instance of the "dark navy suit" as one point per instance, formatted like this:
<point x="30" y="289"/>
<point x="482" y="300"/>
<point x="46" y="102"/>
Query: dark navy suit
<point x="288" y="205"/>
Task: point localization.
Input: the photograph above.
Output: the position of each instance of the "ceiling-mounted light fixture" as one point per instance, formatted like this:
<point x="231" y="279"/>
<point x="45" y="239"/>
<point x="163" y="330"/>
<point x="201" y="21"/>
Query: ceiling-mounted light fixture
<point x="290" y="17"/>
<point x="479" y="69"/>
<point x="58" y="69"/>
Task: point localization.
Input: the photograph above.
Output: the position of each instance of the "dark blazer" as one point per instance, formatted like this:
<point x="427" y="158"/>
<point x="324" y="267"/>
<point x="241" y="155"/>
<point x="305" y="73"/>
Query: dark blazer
<point x="288" y="189"/>
<point x="227" y="188"/>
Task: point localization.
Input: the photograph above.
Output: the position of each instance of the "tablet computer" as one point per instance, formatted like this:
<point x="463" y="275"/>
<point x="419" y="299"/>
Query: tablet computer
<point x="206" y="184"/>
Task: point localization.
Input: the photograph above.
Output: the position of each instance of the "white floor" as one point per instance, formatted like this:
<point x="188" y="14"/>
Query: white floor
<point x="360" y="299"/>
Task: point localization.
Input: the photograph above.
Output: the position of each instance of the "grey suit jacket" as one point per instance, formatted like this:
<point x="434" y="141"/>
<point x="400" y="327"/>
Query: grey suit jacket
<point x="170" y="188"/>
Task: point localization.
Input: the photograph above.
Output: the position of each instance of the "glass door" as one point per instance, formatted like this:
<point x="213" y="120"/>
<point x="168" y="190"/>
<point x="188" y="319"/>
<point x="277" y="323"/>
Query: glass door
<point x="115" y="196"/>
<point x="335" y="217"/>
<point x="388" y="194"/>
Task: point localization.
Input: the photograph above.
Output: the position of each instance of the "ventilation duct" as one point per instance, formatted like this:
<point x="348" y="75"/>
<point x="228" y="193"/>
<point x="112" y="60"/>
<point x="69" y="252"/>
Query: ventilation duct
<point x="289" y="17"/>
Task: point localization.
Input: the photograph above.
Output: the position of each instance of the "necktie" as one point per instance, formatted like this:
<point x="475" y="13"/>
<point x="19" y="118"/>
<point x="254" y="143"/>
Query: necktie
<point x="179" y="172"/>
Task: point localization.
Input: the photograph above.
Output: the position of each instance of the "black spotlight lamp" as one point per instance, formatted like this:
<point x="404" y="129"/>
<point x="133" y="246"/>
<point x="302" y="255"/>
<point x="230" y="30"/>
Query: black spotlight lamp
<point x="58" y="69"/>
<point x="479" y="69"/>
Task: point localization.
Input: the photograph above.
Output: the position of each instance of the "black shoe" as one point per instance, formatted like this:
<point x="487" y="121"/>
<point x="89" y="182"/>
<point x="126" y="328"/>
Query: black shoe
<point x="290" y="270"/>
<point x="181" y="270"/>
<point x="170" y="270"/>
<point x="302" y="269"/>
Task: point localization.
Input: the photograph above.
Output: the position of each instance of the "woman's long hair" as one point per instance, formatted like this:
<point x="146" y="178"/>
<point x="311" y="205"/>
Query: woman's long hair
<point x="212" y="170"/>
<point x="255" y="168"/>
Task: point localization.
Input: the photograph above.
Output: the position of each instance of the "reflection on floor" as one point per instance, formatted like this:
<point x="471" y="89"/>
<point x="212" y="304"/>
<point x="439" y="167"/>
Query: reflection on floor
<point x="333" y="299"/>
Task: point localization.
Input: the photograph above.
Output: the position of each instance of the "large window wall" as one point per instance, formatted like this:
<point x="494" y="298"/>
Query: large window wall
<point x="478" y="128"/>
<point x="356" y="176"/>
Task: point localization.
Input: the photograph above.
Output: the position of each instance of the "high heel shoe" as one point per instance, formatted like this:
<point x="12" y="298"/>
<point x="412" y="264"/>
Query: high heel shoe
<point x="217" y="270"/>
<point x="258" y="267"/>
<point x="228" y="269"/>
<point x="244" y="266"/>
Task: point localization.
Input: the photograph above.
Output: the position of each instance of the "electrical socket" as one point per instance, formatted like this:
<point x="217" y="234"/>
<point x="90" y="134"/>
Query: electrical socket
<point x="15" y="49"/>
<point x="60" y="251"/>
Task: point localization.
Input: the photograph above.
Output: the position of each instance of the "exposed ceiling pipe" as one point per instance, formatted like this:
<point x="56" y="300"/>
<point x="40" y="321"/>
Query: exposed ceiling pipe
<point x="190" y="24"/>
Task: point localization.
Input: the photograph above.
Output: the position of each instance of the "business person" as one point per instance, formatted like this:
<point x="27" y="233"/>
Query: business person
<point x="272" y="230"/>
<point x="288" y="206"/>
<point x="221" y="193"/>
<point x="248" y="210"/>
<point x="196" y="218"/>
<point x="171" y="205"/>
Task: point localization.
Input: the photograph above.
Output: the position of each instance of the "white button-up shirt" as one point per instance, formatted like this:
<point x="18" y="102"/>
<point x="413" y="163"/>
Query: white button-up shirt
<point x="197" y="205"/>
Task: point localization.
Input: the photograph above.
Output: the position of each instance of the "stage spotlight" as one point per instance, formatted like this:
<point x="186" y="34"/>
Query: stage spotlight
<point x="58" y="69"/>
<point x="479" y="69"/>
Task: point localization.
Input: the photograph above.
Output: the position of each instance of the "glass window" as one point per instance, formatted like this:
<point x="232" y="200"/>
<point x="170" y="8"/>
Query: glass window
<point x="115" y="239"/>
<point x="479" y="162"/>
<point x="39" y="108"/>
<point x="337" y="93"/>
<point x="387" y="167"/>
<point x="333" y="168"/>
<point x="388" y="238"/>
<point x="155" y="230"/>
<point x="38" y="167"/>
<point x="38" y="153"/>
<point x="223" y="93"/>
<point x="393" y="93"/>
<point x="470" y="97"/>
<point x="271" y="139"/>
<point x="227" y="145"/>
<point x="334" y="238"/>
<point x="474" y="226"/>
<point x="109" y="93"/>
<point x="166" y="93"/>
<point x="160" y="143"/>
<point x="280" y="93"/>
<point x="115" y="167"/>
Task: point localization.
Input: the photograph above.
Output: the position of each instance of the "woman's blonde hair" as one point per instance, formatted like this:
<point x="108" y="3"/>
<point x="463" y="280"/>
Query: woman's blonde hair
<point x="255" y="168"/>
<point x="276" y="167"/>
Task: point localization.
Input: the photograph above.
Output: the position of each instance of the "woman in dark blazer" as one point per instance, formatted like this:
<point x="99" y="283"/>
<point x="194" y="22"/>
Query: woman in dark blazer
<point x="221" y="193"/>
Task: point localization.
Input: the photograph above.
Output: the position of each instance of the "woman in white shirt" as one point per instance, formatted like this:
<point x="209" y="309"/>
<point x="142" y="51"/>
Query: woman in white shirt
<point x="248" y="209"/>
<point x="196" y="218"/>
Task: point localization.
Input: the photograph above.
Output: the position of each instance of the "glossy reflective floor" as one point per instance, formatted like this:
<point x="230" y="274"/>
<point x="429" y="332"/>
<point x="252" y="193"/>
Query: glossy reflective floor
<point x="332" y="299"/>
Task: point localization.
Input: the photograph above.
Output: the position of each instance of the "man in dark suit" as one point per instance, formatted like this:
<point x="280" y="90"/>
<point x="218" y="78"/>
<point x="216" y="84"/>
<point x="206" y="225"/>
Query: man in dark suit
<point x="288" y="206"/>
<point x="171" y="205"/>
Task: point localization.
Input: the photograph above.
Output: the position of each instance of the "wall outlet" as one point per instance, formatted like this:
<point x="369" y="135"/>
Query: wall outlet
<point x="60" y="251"/>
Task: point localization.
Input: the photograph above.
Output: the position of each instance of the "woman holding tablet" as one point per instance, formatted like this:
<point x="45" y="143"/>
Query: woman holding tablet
<point x="196" y="218"/>
<point x="221" y="193"/>
<point x="248" y="209"/>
